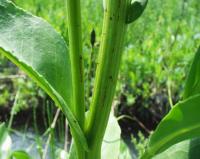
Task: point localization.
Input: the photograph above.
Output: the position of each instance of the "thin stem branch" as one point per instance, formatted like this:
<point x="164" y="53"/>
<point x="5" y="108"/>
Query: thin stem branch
<point x="66" y="136"/>
<point x="134" y="118"/>
<point x="10" y="77"/>
<point x="52" y="127"/>
<point x="169" y="93"/>
<point x="75" y="44"/>
<point x="13" y="109"/>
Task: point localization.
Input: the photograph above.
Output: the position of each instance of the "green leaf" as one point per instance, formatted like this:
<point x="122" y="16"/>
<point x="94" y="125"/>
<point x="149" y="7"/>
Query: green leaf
<point x="34" y="42"/>
<point x="19" y="155"/>
<point x="34" y="46"/>
<point x="135" y="10"/>
<point x="112" y="139"/>
<point x="3" y="133"/>
<point x="192" y="86"/>
<point x="189" y="149"/>
<point x="181" y="123"/>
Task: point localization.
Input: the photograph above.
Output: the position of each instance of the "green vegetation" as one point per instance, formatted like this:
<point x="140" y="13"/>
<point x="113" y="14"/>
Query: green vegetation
<point x="147" y="61"/>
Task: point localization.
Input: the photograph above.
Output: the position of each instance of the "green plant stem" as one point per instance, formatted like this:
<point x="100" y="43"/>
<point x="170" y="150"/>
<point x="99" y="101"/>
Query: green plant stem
<point x="113" y="33"/>
<point x="169" y="93"/>
<point x="13" y="111"/>
<point x="75" y="44"/>
<point x="52" y="127"/>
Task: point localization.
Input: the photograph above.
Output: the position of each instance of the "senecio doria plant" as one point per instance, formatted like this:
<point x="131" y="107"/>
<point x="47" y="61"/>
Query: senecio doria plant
<point x="35" y="47"/>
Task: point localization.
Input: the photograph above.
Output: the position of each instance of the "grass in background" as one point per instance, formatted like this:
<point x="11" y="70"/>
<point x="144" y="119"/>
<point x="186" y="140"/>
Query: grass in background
<point x="157" y="51"/>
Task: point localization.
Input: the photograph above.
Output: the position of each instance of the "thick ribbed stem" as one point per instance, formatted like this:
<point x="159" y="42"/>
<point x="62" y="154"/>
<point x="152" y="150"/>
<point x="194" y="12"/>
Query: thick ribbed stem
<point x="75" y="44"/>
<point x="113" y="33"/>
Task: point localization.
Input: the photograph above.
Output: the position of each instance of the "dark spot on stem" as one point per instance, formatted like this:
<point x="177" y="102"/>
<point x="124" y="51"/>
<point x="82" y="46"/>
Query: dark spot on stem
<point x="119" y="4"/>
<point x="75" y="121"/>
<point x="81" y="69"/>
<point x="104" y="97"/>
<point x="93" y="38"/>
<point x="113" y="50"/>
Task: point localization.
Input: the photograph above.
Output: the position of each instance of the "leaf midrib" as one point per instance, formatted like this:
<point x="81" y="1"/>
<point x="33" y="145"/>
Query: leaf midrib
<point x="51" y="92"/>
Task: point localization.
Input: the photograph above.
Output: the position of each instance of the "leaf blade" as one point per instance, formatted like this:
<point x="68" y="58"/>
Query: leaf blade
<point x="34" y="42"/>
<point x="20" y="155"/>
<point x="112" y="137"/>
<point x="180" y="124"/>
<point x="188" y="149"/>
<point x="135" y="10"/>
<point x="34" y="46"/>
<point x="3" y="133"/>
<point x="192" y="85"/>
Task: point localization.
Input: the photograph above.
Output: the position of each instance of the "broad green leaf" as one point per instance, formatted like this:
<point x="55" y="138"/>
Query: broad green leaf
<point x="189" y="149"/>
<point x="181" y="123"/>
<point x="135" y="10"/>
<point x="34" y="46"/>
<point x="34" y="42"/>
<point x="192" y="86"/>
<point x="112" y="138"/>
<point x="20" y="155"/>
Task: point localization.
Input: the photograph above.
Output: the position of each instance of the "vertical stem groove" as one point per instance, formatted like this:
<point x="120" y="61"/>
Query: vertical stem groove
<point x="75" y="44"/>
<point x="75" y="41"/>
<point x="113" y="33"/>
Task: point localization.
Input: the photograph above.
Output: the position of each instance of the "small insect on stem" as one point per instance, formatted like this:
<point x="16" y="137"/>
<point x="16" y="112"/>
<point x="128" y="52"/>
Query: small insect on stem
<point x="93" y="37"/>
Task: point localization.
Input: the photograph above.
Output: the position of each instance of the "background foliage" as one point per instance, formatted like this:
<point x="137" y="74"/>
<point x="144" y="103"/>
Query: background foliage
<point x="157" y="54"/>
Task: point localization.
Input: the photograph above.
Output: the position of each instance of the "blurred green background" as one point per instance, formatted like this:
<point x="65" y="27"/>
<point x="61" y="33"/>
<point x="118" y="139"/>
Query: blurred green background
<point x="157" y="55"/>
